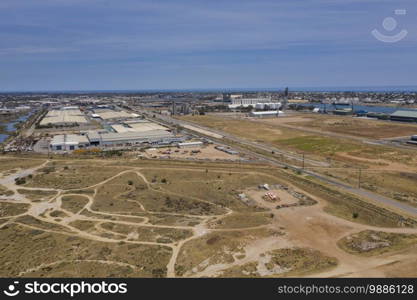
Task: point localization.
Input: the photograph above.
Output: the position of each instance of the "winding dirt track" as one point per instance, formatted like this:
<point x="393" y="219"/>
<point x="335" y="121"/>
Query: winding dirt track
<point x="304" y="227"/>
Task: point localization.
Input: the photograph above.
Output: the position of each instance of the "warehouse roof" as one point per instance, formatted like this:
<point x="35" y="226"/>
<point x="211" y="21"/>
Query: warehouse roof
<point x="112" y="114"/>
<point x="69" y="139"/>
<point x="269" y="112"/>
<point x="121" y="128"/>
<point x="146" y="126"/>
<point x="405" y="114"/>
<point x="65" y="116"/>
<point x="126" y="136"/>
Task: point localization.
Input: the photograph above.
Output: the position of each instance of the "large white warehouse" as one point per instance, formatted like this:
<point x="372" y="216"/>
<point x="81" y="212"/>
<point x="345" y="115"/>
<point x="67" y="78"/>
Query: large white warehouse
<point x="68" y="142"/>
<point x="245" y="102"/>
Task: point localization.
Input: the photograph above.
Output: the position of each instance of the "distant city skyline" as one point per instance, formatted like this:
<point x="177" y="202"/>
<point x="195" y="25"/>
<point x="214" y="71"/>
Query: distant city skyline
<point x="75" y="45"/>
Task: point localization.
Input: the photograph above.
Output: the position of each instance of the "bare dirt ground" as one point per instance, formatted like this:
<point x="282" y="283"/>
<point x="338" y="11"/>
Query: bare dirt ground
<point x="344" y="126"/>
<point x="380" y="164"/>
<point x="302" y="226"/>
<point x="201" y="153"/>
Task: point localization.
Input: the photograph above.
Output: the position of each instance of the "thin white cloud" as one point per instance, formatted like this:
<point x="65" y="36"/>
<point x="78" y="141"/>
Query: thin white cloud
<point x="34" y="50"/>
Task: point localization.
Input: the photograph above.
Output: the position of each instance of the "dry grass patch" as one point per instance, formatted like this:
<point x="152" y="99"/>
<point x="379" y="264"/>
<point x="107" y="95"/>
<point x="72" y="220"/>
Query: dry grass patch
<point x="213" y="186"/>
<point x="93" y="228"/>
<point x="12" y="209"/>
<point x="161" y="219"/>
<point x="242" y="220"/>
<point x="73" y="203"/>
<point x="41" y="225"/>
<point x="5" y="192"/>
<point x="148" y="234"/>
<point x="37" y="194"/>
<point x="86" y="269"/>
<point x="369" y="242"/>
<point x="148" y="260"/>
<point x="11" y="163"/>
<point x="61" y="175"/>
<point x="119" y="195"/>
<point x="260" y="132"/>
<point x="374" y="129"/>
<point x="58" y="214"/>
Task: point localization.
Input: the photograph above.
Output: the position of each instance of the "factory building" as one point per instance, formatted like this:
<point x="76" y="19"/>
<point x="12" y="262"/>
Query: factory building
<point x="404" y="116"/>
<point x="130" y="138"/>
<point x="108" y="115"/>
<point x="190" y="144"/>
<point x="245" y="102"/>
<point x="136" y="126"/>
<point x="268" y="106"/>
<point x="68" y="142"/>
<point x="64" y="116"/>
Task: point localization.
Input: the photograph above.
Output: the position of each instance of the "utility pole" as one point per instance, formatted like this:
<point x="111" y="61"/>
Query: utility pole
<point x="303" y="161"/>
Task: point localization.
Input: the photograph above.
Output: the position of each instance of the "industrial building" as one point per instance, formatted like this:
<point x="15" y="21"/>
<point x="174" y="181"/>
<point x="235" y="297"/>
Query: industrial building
<point x="404" y="116"/>
<point x="245" y="102"/>
<point x="69" y="142"/>
<point x="190" y="144"/>
<point x="64" y="116"/>
<point x="98" y="138"/>
<point x="137" y="126"/>
<point x="226" y="150"/>
<point x="107" y="114"/>
<point x="266" y="114"/>
<point x="268" y="106"/>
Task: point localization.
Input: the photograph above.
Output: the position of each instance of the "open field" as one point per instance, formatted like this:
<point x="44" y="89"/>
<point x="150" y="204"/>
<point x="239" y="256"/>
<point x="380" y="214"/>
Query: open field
<point x="37" y="194"/>
<point x="67" y="176"/>
<point x="386" y="170"/>
<point x="346" y="125"/>
<point x="316" y="143"/>
<point x="12" y="209"/>
<point x="5" y="192"/>
<point x="207" y="152"/>
<point x="141" y="218"/>
<point x="13" y="164"/>
<point x="63" y="250"/>
<point x="260" y="132"/>
<point x="74" y="203"/>
<point x="242" y="220"/>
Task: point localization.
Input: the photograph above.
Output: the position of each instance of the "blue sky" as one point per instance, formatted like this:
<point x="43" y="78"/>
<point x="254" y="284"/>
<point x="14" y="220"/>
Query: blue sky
<point x="184" y="44"/>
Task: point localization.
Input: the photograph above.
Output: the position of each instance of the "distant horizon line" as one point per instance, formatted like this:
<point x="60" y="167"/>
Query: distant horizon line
<point x="395" y="88"/>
